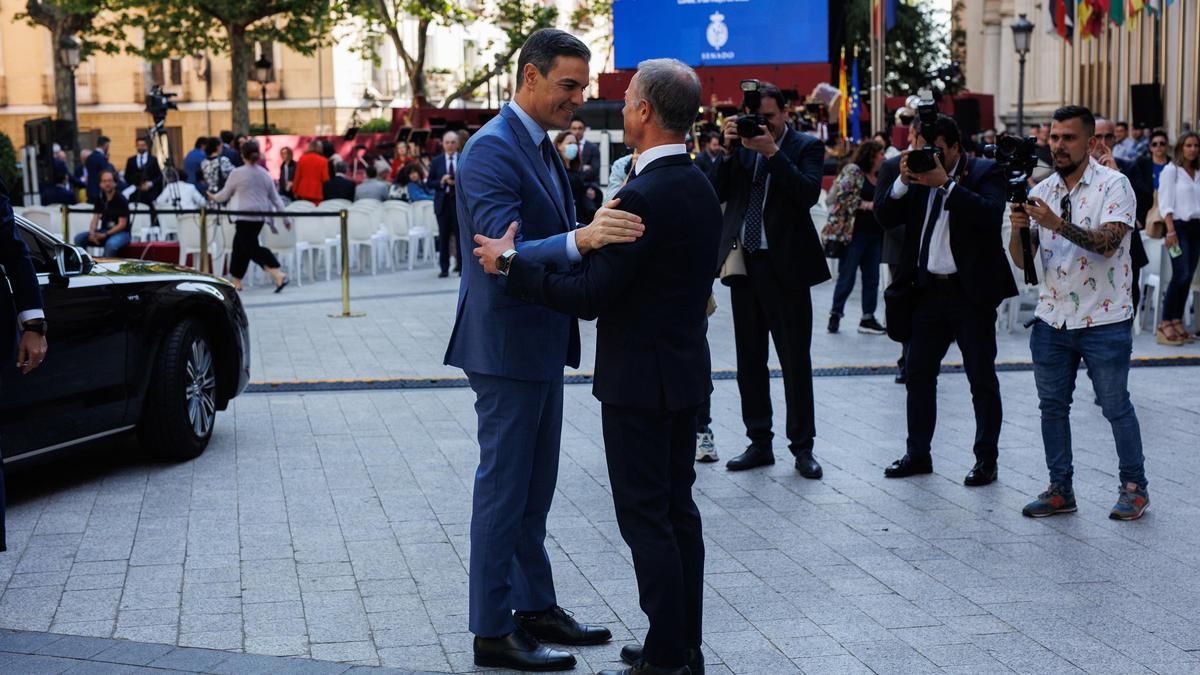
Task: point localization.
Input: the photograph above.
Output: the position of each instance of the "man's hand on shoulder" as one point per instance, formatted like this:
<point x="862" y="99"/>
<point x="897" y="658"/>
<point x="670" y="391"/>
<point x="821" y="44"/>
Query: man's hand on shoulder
<point x="609" y="226"/>
<point x="490" y="250"/>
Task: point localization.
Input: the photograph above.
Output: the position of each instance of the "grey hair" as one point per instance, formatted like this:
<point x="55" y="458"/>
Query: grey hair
<point x="672" y="89"/>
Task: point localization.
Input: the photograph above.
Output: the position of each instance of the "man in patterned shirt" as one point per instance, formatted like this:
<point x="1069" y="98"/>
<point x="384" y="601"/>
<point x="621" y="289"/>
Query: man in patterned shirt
<point x="1081" y="219"/>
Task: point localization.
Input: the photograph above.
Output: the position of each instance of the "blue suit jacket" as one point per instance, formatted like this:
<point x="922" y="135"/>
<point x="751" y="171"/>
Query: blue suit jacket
<point x="96" y="164"/>
<point x="22" y="279"/>
<point x="502" y="178"/>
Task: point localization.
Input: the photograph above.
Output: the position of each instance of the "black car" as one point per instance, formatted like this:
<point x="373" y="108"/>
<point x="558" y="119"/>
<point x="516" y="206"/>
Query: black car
<point x="133" y="346"/>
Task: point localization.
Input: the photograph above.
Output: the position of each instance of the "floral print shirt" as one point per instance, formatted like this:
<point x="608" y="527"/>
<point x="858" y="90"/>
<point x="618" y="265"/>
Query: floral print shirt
<point x="843" y="200"/>
<point x="1081" y="289"/>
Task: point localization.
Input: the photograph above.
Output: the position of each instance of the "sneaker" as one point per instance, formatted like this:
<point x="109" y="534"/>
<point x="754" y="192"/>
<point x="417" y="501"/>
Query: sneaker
<point x="834" y="321"/>
<point x="1056" y="499"/>
<point x="706" y="452"/>
<point x="1131" y="504"/>
<point x="870" y="326"/>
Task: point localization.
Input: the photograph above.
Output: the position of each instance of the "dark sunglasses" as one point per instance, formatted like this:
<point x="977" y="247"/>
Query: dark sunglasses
<point x="1158" y="144"/>
<point x="1106" y="136"/>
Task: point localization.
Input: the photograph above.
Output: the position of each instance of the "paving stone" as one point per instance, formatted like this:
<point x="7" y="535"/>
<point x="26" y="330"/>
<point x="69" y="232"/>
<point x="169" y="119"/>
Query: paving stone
<point x="132" y="653"/>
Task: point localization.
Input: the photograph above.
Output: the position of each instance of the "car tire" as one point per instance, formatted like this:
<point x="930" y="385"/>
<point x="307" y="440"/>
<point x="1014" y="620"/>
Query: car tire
<point x="180" y="407"/>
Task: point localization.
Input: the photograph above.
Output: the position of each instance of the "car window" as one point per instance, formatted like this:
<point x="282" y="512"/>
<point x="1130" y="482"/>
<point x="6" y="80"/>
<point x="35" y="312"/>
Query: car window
<point x="41" y="254"/>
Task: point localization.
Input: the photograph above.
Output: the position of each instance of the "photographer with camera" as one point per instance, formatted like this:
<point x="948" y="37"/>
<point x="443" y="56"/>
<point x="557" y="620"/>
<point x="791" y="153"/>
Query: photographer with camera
<point x="768" y="180"/>
<point x="951" y="278"/>
<point x="1085" y="307"/>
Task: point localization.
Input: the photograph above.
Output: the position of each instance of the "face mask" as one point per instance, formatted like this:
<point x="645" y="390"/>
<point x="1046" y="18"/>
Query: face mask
<point x="572" y="152"/>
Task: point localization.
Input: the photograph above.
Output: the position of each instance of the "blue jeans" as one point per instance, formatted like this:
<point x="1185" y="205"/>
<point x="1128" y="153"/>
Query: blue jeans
<point x="1106" y="350"/>
<point x="1183" y="268"/>
<point x="865" y="251"/>
<point x="112" y="245"/>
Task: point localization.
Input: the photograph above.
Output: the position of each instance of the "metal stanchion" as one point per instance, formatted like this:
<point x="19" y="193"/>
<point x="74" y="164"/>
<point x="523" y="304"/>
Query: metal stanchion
<point x="343" y="217"/>
<point x="203" y="240"/>
<point x="66" y="222"/>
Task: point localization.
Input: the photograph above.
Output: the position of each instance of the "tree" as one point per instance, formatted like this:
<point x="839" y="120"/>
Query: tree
<point x="916" y="46"/>
<point x="63" y="18"/>
<point x="517" y="18"/>
<point x="176" y="28"/>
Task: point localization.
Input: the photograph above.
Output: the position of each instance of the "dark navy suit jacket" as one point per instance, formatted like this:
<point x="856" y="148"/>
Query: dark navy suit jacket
<point x="650" y="296"/>
<point x="19" y="289"/>
<point x="437" y="169"/>
<point x="502" y="178"/>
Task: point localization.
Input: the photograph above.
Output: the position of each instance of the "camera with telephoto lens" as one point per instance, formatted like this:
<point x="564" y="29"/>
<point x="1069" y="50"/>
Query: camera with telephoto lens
<point x="921" y="159"/>
<point x="1017" y="157"/>
<point x="158" y="102"/>
<point x="749" y="122"/>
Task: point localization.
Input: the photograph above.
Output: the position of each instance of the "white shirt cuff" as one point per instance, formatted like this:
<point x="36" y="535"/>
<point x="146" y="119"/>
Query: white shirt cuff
<point x="899" y="189"/>
<point x="30" y="315"/>
<point x="572" y="248"/>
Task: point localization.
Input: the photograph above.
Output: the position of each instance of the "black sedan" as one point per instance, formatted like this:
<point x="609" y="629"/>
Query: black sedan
<point x="133" y="346"/>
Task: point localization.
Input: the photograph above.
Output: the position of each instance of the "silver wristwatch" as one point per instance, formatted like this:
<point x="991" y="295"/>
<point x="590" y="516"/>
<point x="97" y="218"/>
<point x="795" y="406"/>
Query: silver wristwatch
<point x="504" y="262"/>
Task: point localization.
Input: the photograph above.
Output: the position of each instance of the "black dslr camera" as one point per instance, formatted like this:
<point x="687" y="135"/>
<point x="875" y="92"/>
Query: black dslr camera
<point x="158" y="102"/>
<point x="921" y="160"/>
<point x="749" y="121"/>
<point x="1017" y="157"/>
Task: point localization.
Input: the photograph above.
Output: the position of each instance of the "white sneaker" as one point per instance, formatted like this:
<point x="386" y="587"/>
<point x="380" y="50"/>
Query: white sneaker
<point x="706" y="452"/>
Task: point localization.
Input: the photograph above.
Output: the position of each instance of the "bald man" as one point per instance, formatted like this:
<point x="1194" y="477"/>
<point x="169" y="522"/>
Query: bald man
<point x="441" y="181"/>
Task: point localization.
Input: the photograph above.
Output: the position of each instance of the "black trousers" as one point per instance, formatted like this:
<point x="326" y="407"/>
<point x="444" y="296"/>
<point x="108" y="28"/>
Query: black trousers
<point x="650" y="466"/>
<point x="764" y="309"/>
<point x="247" y="248"/>
<point x="894" y="270"/>
<point x="447" y="230"/>
<point x="943" y="314"/>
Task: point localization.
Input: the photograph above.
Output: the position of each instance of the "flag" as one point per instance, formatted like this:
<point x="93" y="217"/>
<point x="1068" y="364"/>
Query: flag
<point x="1062" y="18"/>
<point x="1091" y="16"/>
<point x="843" y="97"/>
<point x="855" y="101"/>
<point x="1154" y="6"/>
<point x="1117" y="12"/>
<point x="889" y="20"/>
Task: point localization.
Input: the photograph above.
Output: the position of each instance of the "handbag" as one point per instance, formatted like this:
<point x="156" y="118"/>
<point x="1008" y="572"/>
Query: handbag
<point x="899" y="300"/>
<point x="835" y="248"/>
<point x="734" y="265"/>
<point x="1156" y="227"/>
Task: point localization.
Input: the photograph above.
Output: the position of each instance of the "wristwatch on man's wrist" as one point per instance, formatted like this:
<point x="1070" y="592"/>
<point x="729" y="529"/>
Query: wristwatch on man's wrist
<point x="35" y="326"/>
<point x="504" y="262"/>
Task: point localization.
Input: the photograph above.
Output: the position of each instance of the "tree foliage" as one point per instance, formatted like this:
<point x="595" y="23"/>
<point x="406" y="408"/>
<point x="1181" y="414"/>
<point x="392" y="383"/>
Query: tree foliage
<point x="917" y="45"/>
<point x="63" y="18"/>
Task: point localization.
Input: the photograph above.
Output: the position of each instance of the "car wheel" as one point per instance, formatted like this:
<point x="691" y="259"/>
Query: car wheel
<point x="180" y="408"/>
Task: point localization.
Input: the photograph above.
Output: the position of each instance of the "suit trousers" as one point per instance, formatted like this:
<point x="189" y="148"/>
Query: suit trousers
<point x="520" y="425"/>
<point x="448" y="229"/>
<point x="943" y="314"/>
<point x="764" y="309"/>
<point x="650" y="466"/>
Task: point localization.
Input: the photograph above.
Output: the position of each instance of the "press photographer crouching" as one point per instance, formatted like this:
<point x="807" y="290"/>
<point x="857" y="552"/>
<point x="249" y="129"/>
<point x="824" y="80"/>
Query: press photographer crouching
<point x="1080" y="220"/>
<point x="951" y="278"/>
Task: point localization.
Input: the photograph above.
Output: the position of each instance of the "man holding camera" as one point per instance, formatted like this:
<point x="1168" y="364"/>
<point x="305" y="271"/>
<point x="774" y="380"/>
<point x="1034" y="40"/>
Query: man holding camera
<point x="1082" y="219"/>
<point x="951" y="278"/>
<point x="768" y="182"/>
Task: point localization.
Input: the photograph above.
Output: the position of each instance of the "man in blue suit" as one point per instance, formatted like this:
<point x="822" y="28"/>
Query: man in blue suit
<point x="96" y="164"/>
<point x="20" y="311"/>
<point x="514" y="351"/>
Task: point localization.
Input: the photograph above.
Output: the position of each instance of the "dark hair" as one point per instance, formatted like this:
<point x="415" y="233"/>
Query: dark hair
<point x="211" y="145"/>
<point x="575" y="119"/>
<point x="288" y="150"/>
<point x="1179" y="143"/>
<point x="227" y="137"/>
<point x="887" y="141"/>
<point x="1160" y="132"/>
<point x="201" y="142"/>
<point x="1123" y="125"/>
<point x="769" y="90"/>
<point x="574" y="164"/>
<point x="544" y="46"/>
<point x="946" y="129"/>
<point x="372" y="172"/>
<point x="250" y="152"/>
<point x="1070" y="112"/>
<point x="672" y="90"/>
<point x="103" y="141"/>
<point x="111" y="172"/>
<point x="142" y="139"/>
<point x="409" y="168"/>
<point x="866" y="153"/>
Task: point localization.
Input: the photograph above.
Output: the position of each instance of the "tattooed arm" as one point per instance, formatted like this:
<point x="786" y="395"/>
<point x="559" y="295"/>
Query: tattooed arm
<point x="1104" y="240"/>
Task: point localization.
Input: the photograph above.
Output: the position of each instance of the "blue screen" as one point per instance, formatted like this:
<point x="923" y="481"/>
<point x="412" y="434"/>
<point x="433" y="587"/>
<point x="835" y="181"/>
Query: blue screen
<point x="721" y="32"/>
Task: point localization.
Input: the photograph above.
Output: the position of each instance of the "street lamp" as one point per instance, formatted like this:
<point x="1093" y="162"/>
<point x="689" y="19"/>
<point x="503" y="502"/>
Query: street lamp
<point x="68" y="54"/>
<point x="262" y="75"/>
<point x="1022" y="31"/>
<point x="203" y="69"/>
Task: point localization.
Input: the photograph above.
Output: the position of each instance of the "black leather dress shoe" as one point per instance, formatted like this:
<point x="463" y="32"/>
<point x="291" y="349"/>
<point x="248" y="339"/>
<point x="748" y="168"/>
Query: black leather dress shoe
<point x="632" y="655"/>
<point x="981" y="474"/>
<point x="807" y="465"/>
<point x="558" y="626"/>
<point x="647" y="669"/>
<point x="907" y="466"/>
<point x="752" y="458"/>
<point x="520" y="651"/>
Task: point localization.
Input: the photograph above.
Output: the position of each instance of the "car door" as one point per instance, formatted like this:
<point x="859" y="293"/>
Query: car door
<point x="79" y="391"/>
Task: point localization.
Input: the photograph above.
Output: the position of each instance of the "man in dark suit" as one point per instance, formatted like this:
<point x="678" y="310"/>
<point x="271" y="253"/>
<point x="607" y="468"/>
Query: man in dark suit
<point x="20" y="311"/>
<point x="143" y="172"/>
<point x="652" y="360"/>
<point x="769" y="183"/>
<point x="711" y="152"/>
<point x="442" y="174"/>
<point x="97" y="163"/>
<point x="955" y="272"/>
<point x="338" y="186"/>
<point x="589" y="153"/>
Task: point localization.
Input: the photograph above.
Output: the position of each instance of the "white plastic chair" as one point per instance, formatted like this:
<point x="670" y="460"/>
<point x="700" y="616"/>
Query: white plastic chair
<point x="139" y="221"/>
<point x="363" y="231"/>
<point x="1154" y="282"/>
<point x="287" y="247"/>
<point x="38" y="216"/>
<point x="79" y="218"/>
<point x="424" y="221"/>
<point x="330" y="225"/>
<point x="397" y="218"/>
<point x="336" y="204"/>
<point x="189" y="243"/>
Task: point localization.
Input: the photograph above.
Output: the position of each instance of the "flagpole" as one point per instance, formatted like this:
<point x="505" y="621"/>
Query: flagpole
<point x="1182" y="69"/>
<point x="1196" y="66"/>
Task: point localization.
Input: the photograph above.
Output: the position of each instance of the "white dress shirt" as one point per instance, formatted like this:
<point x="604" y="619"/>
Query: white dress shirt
<point x="658" y="152"/>
<point x="1178" y="193"/>
<point x="941" y="258"/>
<point x="141" y="160"/>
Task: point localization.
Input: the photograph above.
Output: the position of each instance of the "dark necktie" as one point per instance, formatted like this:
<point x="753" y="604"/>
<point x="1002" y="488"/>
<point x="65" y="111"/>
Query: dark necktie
<point x="927" y="237"/>
<point x="141" y="161"/>
<point x="752" y="238"/>
<point x="450" y="172"/>
<point x="552" y="165"/>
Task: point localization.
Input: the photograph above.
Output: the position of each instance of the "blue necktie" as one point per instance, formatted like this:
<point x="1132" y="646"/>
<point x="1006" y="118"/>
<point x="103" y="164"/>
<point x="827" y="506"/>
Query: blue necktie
<point x="752" y="238"/>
